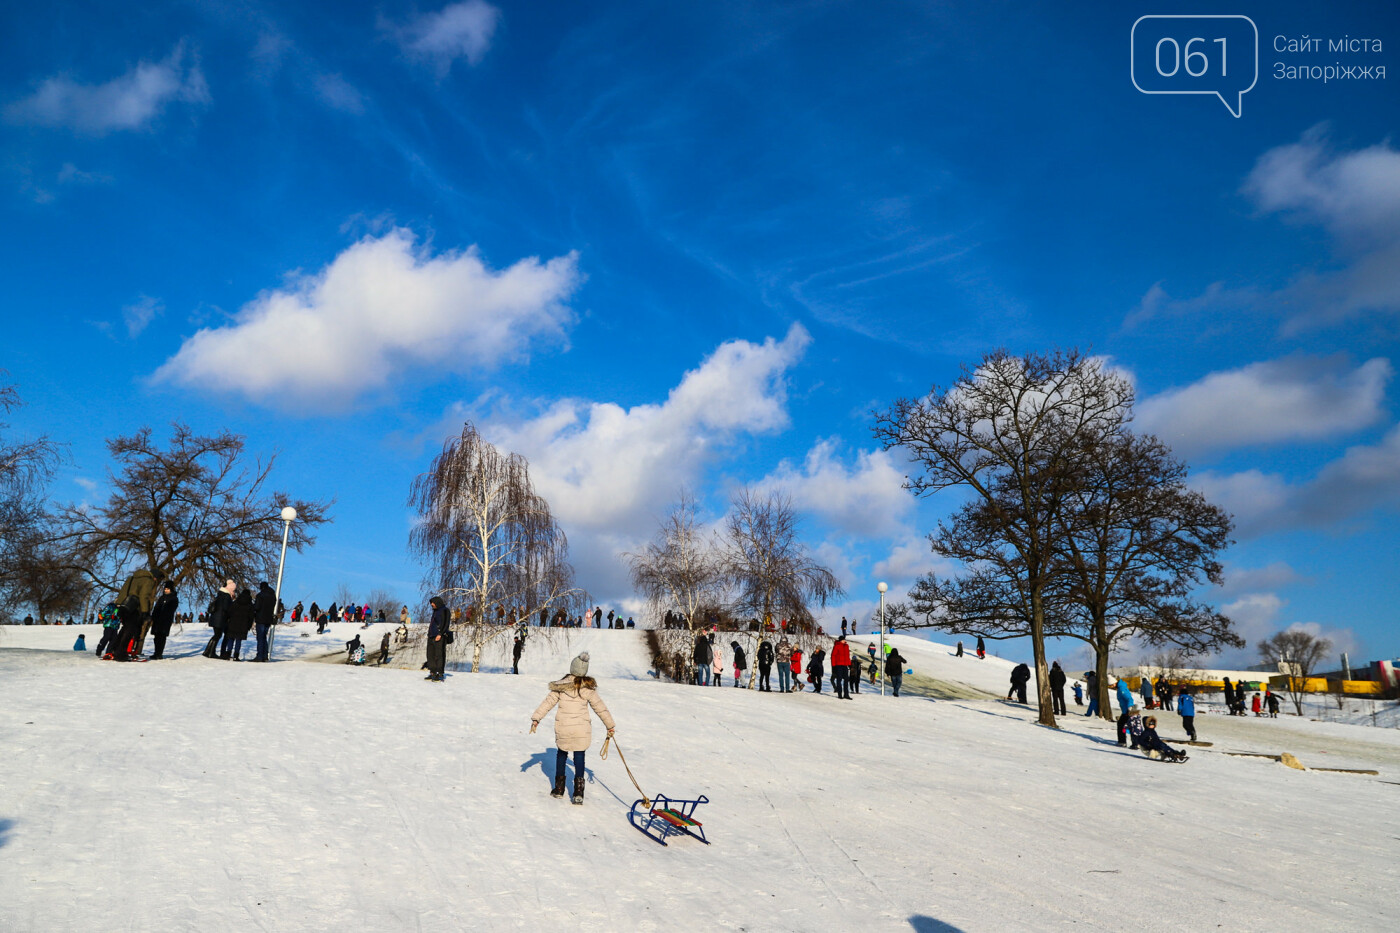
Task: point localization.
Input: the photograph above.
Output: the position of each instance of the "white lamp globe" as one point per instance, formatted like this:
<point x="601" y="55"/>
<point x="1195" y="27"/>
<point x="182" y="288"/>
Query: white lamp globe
<point x="289" y="514"/>
<point x="882" y="587"/>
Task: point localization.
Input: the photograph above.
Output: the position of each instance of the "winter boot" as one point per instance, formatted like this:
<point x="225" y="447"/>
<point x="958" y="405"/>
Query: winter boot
<point x="558" y="785"/>
<point x="578" y="790"/>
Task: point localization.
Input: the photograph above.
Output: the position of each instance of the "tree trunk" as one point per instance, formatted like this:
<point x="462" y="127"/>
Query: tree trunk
<point x="1042" y="669"/>
<point x="1101" y="652"/>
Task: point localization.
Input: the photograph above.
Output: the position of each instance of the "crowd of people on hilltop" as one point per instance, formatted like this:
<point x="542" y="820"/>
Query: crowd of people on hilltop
<point x="709" y="660"/>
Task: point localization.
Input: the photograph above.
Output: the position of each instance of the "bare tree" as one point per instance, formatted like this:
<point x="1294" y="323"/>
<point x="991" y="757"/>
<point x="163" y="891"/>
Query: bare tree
<point x="25" y="468"/>
<point x="681" y="571"/>
<point x="1136" y="542"/>
<point x="195" y="512"/>
<point x="1296" y="654"/>
<point x="769" y="568"/>
<point x="493" y="548"/>
<point x="38" y="574"/>
<point x="1011" y="432"/>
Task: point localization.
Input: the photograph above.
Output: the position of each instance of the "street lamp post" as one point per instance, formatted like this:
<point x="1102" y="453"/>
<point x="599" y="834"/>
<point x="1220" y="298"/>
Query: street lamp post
<point x="289" y="515"/>
<point x="882" y="586"/>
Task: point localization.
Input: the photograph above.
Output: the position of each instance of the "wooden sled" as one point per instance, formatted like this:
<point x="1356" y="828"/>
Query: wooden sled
<point x="664" y="817"/>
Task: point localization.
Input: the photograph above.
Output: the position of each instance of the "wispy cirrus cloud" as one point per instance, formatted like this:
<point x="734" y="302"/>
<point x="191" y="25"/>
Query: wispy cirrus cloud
<point x="457" y="31"/>
<point x="131" y="101"/>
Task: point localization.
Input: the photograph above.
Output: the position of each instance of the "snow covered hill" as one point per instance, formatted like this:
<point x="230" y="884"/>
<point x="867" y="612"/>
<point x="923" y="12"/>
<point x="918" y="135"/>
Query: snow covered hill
<point x="201" y="795"/>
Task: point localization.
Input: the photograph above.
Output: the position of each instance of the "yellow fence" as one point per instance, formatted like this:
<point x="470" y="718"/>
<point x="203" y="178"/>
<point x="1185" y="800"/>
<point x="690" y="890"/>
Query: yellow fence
<point x="1277" y="682"/>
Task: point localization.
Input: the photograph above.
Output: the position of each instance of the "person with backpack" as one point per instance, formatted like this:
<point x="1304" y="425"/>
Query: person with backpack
<point x="134" y="604"/>
<point x="1020" y="676"/>
<point x="741" y="663"/>
<point x="572" y="697"/>
<point x="111" y="622"/>
<point x="765" y="666"/>
<point x="162" y="617"/>
<point x="894" y="668"/>
<point x="840" y="668"/>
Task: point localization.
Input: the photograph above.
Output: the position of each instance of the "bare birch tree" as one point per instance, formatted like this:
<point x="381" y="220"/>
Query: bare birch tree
<point x="680" y="571"/>
<point x="1296" y="653"/>
<point x="493" y="548"/>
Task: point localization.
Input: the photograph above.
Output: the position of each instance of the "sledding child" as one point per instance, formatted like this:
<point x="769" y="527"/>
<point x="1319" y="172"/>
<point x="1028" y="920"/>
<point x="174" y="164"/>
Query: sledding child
<point x="573" y="728"/>
<point x="1152" y="744"/>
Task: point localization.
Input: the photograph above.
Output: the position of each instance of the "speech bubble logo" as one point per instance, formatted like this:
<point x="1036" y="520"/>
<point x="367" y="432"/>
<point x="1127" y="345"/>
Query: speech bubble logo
<point x="1182" y="54"/>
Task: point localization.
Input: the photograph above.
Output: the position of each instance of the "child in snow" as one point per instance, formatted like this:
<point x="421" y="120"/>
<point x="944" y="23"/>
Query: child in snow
<point x="717" y="665"/>
<point x="1078" y="694"/>
<point x="1256" y="706"/>
<point x="1186" y="707"/>
<point x="1135" y="727"/>
<point x="573" y="728"/>
<point x="1271" y="699"/>
<point x="1152" y="744"/>
<point x="796" y="670"/>
<point x="81" y="643"/>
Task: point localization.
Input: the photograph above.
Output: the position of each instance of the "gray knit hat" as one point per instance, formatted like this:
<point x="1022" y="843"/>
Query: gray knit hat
<point x="579" y="666"/>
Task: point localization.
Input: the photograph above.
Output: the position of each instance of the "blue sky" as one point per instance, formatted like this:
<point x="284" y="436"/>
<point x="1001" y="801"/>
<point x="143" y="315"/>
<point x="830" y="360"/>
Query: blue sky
<point x="659" y="245"/>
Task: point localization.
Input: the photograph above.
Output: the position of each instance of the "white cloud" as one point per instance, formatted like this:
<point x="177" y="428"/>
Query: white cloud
<point x="387" y="307"/>
<point x="129" y="102"/>
<point x="602" y="466"/>
<point x="460" y="30"/>
<point x="1242" y="580"/>
<point x="1364" y="479"/>
<point x="1355" y="197"/>
<point x="137" y="315"/>
<point x="866" y="497"/>
<point x="1298" y="398"/>
<point x="339" y="94"/>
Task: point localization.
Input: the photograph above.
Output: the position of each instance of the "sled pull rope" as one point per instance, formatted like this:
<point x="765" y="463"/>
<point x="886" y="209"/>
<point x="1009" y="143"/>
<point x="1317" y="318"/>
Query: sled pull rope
<point x="646" y="802"/>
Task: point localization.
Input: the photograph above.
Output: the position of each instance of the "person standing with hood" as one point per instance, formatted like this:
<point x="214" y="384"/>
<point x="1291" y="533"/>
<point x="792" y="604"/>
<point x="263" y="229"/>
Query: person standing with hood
<point x="816" y="668"/>
<point x="1057" y="689"/>
<point x="796" y="670"/>
<point x="240" y="623"/>
<point x="894" y="668"/>
<point x="1091" y="686"/>
<point x="1125" y="706"/>
<point x="162" y="616"/>
<point x="853" y="674"/>
<point x="264" y="616"/>
<point x="981" y="648"/>
<point x="765" y="666"/>
<point x="783" y="657"/>
<point x="218" y="619"/>
<point x="439" y="631"/>
<point x="741" y="663"/>
<point x="703" y="657"/>
<point x="516" y="650"/>
<point x="1020" y="676"/>
<point x="574" y="696"/>
<point x="840" y="668"/>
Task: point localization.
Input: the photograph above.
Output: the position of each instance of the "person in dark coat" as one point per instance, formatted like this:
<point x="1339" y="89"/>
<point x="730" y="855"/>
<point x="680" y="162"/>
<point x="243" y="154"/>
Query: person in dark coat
<point x="136" y="599"/>
<point x="981" y="647"/>
<point x="1020" y="676"/>
<point x="816" y="669"/>
<point x="703" y="657"/>
<point x="516" y="651"/>
<point x="1057" y="689"/>
<point x="219" y="611"/>
<point x="765" y="666"/>
<point x="1091" y="686"/>
<point x="439" y="627"/>
<point x="1229" y="696"/>
<point x="240" y="623"/>
<point x="162" y="616"/>
<point x="960" y="651"/>
<point x="384" y="650"/>
<point x="1151" y="742"/>
<point x="264" y="616"/>
<point x="741" y="663"/>
<point x="894" y="668"/>
<point x="853" y="675"/>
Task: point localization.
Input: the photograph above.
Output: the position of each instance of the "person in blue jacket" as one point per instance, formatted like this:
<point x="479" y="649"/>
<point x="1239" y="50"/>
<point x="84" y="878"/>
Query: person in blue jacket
<point x="81" y="643"/>
<point x="1186" y="706"/>
<point x="1125" y="703"/>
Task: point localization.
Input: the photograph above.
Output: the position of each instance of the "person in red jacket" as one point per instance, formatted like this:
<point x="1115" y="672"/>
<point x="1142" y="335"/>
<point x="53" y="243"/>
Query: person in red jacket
<point x="796" y="670"/>
<point x="840" y="663"/>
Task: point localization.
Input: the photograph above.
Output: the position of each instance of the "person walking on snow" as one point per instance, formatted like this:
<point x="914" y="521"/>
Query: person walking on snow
<point x="1125" y="705"/>
<point x="516" y="651"/>
<point x="894" y="668"/>
<point x="796" y="670"/>
<point x="573" y="696"/>
<point x="853" y="675"/>
<point x="840" y="664"/>
<point x="1186" y="708"/>
<point x="1020" y="676"/>
<point x="439" y="629"/>
<point x="1271" y="699"/>
<point x="264" y="616"/>
<point x="703" y="657"/>
<point x="218" y="619"/>
<point x="783" y="657"/>
<point x="981" y="648"/>
<point x="162" y="617"/>
<point x="1091" y="686"/>
<point x="740" y="662"/>
<point x="717" y="666"/>
<point x="240" y="623"/>
<point x="816" y="669"/>
<point x="1078" y="694"/>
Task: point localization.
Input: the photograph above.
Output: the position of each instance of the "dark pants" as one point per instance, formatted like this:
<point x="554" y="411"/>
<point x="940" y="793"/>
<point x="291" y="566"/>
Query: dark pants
<point x="126" y="641"/>
<point x="896" y="679"/>
<point x="158" y="636"/>
<point x="211" y="650"/>
<point x="1057" y="697"/>
<point x="838" y="680"/>
<point x="515" y="663"/>
<point x="765" y="673"/>
<point x="560" y="756"/>
<point x="815" y="676"/>
<point x="1167" y="702"/>
<point x="854" y="680"/>
<point x="1189" y="724"/>
<point x="226" y="646"/>
<point x="238" y="649"/>
<point x="108" y="639"/>
<point x="1020" y="690"/>
<point x="262" y="640"/>
<point x="437" y="657"/>
<point x="1123" y="730"/>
